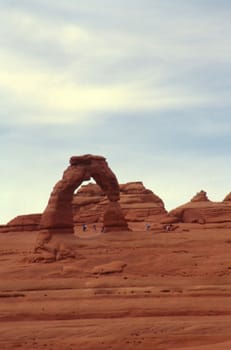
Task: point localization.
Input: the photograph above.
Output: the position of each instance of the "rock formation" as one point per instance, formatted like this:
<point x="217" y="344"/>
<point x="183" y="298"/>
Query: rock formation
<point x="201" y="210"/>
<point x="57" y="218"/>
<point x="227" y="198"/>
<point x="29" y="222"/>
<point x="138" y="204"/>
<point x="58" y="215"/>
<point x="200" y="197"/>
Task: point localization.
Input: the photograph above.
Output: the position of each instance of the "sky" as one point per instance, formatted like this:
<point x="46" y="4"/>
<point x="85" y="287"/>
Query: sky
<point x="145" y="83"/>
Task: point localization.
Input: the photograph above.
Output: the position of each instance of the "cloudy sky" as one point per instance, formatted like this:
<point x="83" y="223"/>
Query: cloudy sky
<point x="145" y="83"/>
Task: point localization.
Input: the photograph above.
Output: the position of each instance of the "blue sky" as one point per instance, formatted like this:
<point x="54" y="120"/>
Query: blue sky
<point x="144" y="83"/>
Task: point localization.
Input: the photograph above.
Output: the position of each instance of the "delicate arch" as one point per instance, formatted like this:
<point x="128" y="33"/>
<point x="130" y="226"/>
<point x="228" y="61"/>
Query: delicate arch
<point x="58" y="216"/>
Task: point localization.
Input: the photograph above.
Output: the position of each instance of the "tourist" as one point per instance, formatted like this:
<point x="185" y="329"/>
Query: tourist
<point x="169" y="227"/>
<point x="84" y="227"/>
<point x="147" y="227"/>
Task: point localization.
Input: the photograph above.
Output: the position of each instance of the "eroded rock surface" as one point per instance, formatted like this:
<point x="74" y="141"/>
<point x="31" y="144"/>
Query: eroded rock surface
<point x="202" y="210"/>
<point x="138" y="204"/>
<point x="58" y="215"/>
<point x="227" y="198"/>
<point x="112" y="267"/>
<point x="21" y="223"/>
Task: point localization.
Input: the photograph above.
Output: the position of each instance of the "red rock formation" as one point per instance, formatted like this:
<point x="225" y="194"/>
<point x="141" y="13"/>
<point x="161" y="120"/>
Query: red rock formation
<point x="200" y="197"/>
<point x="58" y="215"/>
<point x="21" y="223"/>
<point x="227" y="198"/>
<point x="138" y="204"/>
<point x="201" y="210"/>
<point x="89" y="204"/>
<point x="113" y="217"/>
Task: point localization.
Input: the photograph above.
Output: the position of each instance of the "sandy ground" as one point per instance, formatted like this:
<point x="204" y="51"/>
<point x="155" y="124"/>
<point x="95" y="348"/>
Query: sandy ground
<point x="173" y="293"/>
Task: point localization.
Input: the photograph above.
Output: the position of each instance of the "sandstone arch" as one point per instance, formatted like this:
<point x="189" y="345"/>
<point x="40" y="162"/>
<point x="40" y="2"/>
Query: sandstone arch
<point x="58" y="216"/>
<point x="56" y="240"/>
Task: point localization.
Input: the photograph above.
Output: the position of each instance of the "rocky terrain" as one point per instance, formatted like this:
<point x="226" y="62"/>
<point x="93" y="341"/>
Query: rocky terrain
<point x="201" y="210"/>
<point x="134" y="277"/>
<point x="123" y="290"/>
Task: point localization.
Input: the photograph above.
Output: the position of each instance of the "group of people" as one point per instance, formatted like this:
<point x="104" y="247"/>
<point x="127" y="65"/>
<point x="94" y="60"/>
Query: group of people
<point x="167" y="227"/>
<point x="94" y="227"/>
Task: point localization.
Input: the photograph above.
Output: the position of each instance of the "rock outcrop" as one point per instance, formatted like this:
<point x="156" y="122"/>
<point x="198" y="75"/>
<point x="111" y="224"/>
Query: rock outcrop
<point x="201" y="210"/>
<point x="227" y="198"/>
<point x="58" y="215"/>
<point x="138" y="204"/>
<point x="57" y="218"/>
<point x="200" y="197"/>
<point x="89" y="204"/>
<point x="29" y="222"/>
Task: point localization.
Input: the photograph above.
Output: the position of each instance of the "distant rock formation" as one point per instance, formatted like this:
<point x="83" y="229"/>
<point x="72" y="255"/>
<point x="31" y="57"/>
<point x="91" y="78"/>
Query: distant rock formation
<point x="201" y="210"/>
<point x="227" y="198"/>
<point x="138" y="204"/>
<point x="29" y="222"/>
<point x="200" y="197"/>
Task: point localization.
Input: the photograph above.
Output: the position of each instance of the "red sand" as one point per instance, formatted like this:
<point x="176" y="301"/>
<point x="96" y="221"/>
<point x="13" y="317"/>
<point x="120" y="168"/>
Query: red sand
<point x="173" y="293"/>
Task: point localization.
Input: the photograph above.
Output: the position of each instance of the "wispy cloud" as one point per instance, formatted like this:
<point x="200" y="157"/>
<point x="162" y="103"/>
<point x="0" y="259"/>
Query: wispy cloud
<point x="53" y="67"/>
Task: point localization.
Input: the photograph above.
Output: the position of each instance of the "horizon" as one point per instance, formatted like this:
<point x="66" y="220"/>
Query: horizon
<point x="92" y="181"/>
<point x="143" y="83"/>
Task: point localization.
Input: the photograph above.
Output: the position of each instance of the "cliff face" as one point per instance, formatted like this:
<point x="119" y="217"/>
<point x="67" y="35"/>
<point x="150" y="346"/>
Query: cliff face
<point x="201" y="210"/>
<point x="138" y="204"/>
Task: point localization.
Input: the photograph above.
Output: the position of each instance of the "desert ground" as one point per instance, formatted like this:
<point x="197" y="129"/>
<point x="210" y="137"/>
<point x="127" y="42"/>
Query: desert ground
<point x="149" y="290"/>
